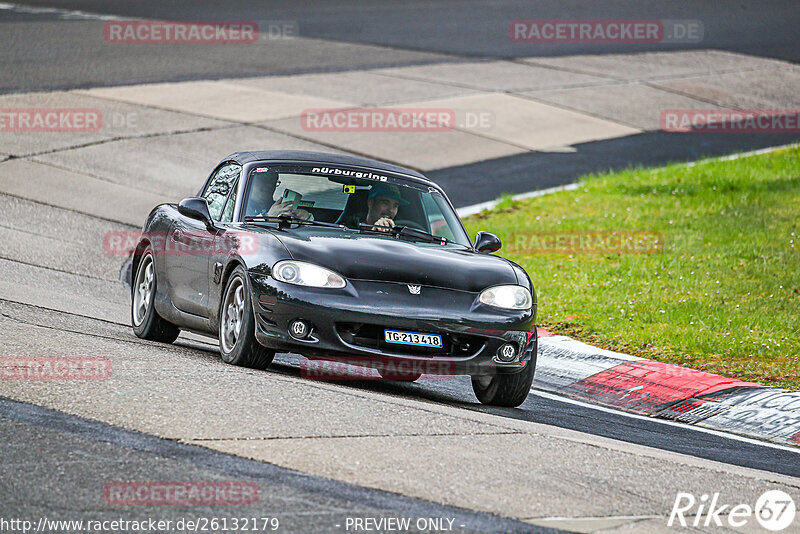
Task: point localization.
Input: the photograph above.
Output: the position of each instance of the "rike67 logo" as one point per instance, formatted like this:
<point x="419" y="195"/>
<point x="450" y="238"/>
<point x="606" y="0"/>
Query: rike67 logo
<point x="774" y="510"/>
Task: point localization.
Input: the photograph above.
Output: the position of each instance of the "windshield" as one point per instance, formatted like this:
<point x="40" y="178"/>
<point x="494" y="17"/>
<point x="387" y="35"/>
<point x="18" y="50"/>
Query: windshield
<point x="351" y="198"/>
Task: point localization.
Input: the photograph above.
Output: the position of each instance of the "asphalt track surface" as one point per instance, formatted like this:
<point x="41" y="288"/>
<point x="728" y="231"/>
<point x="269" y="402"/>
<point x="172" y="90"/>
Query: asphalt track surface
<point x="356" y="34"/>
<point x="56" y="464"/>
<point x="543" y="408"/>
<point x="94" y="451"/>
<point x="393" y="34"/>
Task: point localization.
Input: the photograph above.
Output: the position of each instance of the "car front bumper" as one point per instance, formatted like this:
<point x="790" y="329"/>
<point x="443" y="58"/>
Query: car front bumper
<point x="347" y="325"/>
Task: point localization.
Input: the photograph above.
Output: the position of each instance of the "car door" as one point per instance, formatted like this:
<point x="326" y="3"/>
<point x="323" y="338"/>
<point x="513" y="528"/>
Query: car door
<point x="193" y="245"/>
<point x="227" y="239"/>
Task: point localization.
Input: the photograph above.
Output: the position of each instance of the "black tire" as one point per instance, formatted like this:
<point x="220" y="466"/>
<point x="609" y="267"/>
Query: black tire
<point x="241" y="348"/>
<point x="504" y="389"/>
<point x="399" y="376"/>
<point x="146" y="322"/>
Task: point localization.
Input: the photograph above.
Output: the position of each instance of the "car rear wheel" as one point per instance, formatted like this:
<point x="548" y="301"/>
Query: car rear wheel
<point x="237" y="338"/>
<point x="147" y="324"/>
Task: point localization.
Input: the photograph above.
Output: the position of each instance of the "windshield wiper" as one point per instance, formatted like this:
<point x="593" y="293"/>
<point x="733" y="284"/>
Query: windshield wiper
<point x="405" y="231"/>
<point x="286" y="220"/>
<point x="419" y="234"/>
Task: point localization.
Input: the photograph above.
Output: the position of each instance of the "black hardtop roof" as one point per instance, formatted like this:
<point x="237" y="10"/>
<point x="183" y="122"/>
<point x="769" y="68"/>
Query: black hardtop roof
<point x="324" y="158"/>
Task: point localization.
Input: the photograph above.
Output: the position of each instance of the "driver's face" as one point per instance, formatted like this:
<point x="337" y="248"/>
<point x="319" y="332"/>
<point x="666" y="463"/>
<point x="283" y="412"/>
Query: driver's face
<point x="260" y="192"/>
<point x="382" y="207"/>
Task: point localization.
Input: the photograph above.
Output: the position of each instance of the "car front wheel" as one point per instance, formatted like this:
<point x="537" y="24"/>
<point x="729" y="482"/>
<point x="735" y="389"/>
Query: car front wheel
<point x="503" y="389"/>
<point x="509" y="390"/>
<point x="237" y="338"/>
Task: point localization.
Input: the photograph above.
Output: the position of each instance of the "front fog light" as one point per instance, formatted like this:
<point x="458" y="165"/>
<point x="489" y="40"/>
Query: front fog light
<point x="299" y="329"/>
<point x="507" y="353"/>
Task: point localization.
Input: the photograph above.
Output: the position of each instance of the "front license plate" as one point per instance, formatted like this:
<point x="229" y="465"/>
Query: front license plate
<point x="412" y="338"/>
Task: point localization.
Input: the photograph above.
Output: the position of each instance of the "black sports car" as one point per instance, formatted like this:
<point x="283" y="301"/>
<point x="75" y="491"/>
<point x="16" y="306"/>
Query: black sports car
<point x="337" y="258"/>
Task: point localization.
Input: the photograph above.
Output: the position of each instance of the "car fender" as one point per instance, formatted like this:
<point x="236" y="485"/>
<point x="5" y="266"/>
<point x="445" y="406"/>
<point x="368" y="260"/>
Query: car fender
<point x="525" y="281"/>
<point x="269" y="250"/>
<point x="158" y="223"/>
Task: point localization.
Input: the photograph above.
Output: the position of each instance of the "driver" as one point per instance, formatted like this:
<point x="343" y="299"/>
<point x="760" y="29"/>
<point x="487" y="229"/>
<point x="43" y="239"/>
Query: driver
<point x="261" y="203"/>
<point x="383" y="201"/>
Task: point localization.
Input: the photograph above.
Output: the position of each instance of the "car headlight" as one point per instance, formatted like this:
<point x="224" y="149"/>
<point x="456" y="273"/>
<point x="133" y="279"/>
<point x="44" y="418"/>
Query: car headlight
<point x="507" y="297"/>
<point x="306" y="274"/>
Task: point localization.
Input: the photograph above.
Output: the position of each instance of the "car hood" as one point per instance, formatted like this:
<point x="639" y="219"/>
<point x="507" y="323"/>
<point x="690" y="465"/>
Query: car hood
<point x="362" y="256"/>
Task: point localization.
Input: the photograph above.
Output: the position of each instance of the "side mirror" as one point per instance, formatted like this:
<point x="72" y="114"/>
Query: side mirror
<point x="486" y="242"/>
<point x="196" y="208"/>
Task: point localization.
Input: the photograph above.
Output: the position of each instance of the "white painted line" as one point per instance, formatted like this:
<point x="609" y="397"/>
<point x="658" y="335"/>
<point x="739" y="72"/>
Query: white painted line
<point x="713" y="432"/>
<point x="732" y="157"/>
<point x="67" y="14"/>
<point x="477" y="208"/>
<point x="565" y="345"/>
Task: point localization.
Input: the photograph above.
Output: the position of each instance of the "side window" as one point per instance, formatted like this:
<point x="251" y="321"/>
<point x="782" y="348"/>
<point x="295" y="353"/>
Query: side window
<point x="218" y="188"/>
<point x="227" y="213"/>
<point x="436" y="219"/>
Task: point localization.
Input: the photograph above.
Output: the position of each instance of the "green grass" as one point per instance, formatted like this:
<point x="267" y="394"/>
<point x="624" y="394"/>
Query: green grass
<point x="723" y="293"/>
